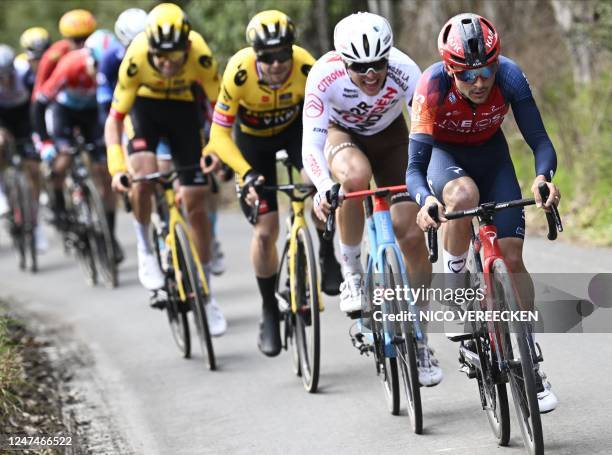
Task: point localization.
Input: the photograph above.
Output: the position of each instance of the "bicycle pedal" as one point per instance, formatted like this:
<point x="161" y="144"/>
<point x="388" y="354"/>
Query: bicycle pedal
<point x="354" y="314"/>
<point x="538" y="349"/>
<point x="459" y="336"/>
<point x="158" y="299"/>
<point x="469" y="371"/>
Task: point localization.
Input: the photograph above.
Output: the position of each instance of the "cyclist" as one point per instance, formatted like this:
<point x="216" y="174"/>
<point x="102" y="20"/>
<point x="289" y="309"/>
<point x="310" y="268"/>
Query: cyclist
<point x="354" y="130"/>
<point x="154" y="95"/>
<point x="263" y="86"/>
<point x="15" y="125"/>
<point x="75" y="26"/>
<point x="458" y="153"/>
<point x="68" y="97"/>
<point x="34" y="41"/>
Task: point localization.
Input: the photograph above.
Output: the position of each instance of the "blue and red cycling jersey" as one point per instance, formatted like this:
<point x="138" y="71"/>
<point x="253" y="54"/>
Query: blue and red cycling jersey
<point x="108" y="73"/>
<point x="440" y="114"/>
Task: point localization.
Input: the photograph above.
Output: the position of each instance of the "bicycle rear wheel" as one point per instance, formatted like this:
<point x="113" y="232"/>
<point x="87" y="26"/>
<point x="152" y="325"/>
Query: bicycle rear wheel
<point x="101" y="237"/>
<point x="78" y="234"/>
<point x="405" y="343"/>
<point x="188" y="274"/>
<point x="519" y="355"/>
<point x="307" y="317"/>
<point x="16" y="221"/>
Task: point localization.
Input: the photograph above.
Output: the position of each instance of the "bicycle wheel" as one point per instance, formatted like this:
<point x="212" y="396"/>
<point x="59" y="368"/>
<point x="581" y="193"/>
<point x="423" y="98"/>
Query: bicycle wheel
<point x="287" y="316"/>
<point x="493" y="393"/>
<point x="188" y="274"/>
<point x="78" y="232"/>
<point x="29" y="219"/>
<point x="405" y="343"/>
<point x="519" y="355"/>
<point x="100" y="236"/>
<point x="386" y="363"/>
<point x="16" y="222"/>
<point x="307" y="316"/>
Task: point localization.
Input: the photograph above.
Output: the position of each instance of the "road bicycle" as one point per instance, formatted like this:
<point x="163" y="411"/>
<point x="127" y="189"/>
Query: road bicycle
<point x="297" y="285"/>
<point x="84" y="225"/>
<point x="497" y="352"/>
<point x="393" y="343"/>
<point x="21" y="218"/>
<point x="185" y="286"/>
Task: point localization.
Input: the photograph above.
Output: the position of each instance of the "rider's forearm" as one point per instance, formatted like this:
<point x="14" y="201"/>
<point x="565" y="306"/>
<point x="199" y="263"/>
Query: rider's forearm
<point x="530" y="123"/>
<point x="223" y="146"/>
<point x="114" y="152"/>
<point x="316" y="167"/>
<point x="419" y="154"/>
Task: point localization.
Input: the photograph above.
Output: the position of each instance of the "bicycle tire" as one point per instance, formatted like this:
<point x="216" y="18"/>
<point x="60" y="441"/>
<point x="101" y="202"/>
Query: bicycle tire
<point x="406" y="349"/>
<point x="386" y="367"/>
<point x="101" y="237"/>
<point x="521" y="372"/>
<point x="175" y="309"/>
<point x="16" y="216"/>
<point x="287" y="316"/>
<point x="29" y="220"/>
<point x="78" y="214"/>
<point x="307" y="317"/>
<point x="188" y="273"/>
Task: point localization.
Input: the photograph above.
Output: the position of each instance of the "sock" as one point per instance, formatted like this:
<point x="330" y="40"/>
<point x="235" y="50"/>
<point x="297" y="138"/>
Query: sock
<point x="350" y="260"/>
<point x="212" y="216"/>
<point x="454" y="278"/>
<point x="266" y="288"/>
<point x="110" y="219"/>
<point x="142" y="237"/>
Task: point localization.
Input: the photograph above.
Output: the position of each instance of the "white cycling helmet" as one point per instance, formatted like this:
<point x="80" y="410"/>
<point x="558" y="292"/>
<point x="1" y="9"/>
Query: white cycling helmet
<point x="363" y="38"/>
<point x="7" y="57"/>
<point x="129" y="24"/>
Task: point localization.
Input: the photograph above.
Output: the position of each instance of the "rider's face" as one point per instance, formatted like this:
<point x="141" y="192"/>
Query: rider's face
<point x="275" y="64"/>
<point x="476" y="91"/>
<point x="169" y="63"/>
<point x="371" y="78"/>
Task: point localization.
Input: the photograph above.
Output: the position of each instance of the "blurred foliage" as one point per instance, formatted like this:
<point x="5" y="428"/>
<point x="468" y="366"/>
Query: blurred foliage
<point x="577" y="118"/>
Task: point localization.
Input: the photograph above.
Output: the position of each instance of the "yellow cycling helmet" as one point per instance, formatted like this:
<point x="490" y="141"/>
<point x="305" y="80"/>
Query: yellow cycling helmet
<point x="35" y="41"/>
<point x="270" y="28"/>
<point x="77" y="24"/>
<point x="167" y="28"/>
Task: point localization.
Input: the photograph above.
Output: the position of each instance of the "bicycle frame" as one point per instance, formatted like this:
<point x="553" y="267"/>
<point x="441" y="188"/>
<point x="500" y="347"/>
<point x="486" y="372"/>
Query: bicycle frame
<point x="175" y="218"/>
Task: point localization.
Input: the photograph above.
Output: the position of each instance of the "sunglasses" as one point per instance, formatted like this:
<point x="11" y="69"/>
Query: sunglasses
<point x="173" y="56"/>
<point x="470" y="76"/>
<point x="279" y="56"/>
<point x="364" y="68"/>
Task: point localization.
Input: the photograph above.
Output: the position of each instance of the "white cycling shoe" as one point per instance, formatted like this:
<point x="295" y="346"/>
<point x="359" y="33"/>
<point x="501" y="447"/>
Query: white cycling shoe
<point x="351" y="293"/>
<point x="217" y="325"/>
<point x="4" y="206"/>
<point x="149" y="273"/>
<point x="430" y="373"/>
<point x="40" y="239"/>
<point x="547" y="400"/>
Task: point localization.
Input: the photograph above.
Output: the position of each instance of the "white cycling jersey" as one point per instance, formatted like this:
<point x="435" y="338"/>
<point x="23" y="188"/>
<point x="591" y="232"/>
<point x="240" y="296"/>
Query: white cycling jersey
<point x="331" y="96"/>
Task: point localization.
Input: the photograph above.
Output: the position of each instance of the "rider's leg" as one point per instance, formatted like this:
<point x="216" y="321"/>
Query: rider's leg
<point x="193" y="198"/>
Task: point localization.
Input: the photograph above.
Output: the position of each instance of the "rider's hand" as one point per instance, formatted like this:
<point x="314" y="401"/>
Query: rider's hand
<point x="48" y="151"/>
<point x="425" y="221"/>
<point x="321" y="205"/>
<point x="118" y="181"/>
<point x="249" y="193"/>
<point x="553" y="198"/>
<point x="210" y="163"/>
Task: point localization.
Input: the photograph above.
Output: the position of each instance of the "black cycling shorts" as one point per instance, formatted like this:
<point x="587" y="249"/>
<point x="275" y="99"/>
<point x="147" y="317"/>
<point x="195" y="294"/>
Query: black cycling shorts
<point x="260" y="153"/>
<point x="17" y="121"/>
<point x="490" y="166"/>
<point x="177" y="121"/>
<point x="62" y="122"/>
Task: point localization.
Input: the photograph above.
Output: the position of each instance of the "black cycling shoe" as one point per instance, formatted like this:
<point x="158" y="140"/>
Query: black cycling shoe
<point x="331" y="274"/>
<point x="269" y="341"/>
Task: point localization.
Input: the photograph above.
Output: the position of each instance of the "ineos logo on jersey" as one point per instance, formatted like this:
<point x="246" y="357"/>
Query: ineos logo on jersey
<point x="313" y="106"/>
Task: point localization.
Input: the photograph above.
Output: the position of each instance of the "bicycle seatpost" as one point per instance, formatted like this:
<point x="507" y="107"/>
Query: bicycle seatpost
<point x="333" y="196"/>
<point x="432" y="235"/>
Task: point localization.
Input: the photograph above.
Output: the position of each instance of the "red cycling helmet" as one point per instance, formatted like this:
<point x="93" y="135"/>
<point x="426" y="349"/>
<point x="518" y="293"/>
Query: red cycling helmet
<point x="468" y="41"/>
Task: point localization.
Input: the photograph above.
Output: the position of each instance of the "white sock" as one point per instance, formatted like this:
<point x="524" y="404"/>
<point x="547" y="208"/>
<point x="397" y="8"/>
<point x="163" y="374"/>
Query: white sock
<point x="454" y="264"/>
<point x="454" y="278"/>
<point x="142" y="237"/>
<point x="350" y="258"/>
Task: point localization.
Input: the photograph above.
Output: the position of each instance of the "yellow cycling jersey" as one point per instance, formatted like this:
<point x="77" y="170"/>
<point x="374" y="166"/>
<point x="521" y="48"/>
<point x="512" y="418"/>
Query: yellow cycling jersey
<point x="262" y="110"/>
<point x="138" y="76"/>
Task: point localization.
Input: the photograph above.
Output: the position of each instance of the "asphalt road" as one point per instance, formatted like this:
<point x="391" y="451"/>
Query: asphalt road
<point x="163" y="404"/>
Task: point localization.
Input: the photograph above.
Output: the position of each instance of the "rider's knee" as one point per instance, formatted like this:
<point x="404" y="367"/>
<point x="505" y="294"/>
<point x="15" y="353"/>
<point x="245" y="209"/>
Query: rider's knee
<point x="357" y="181"/>
<point x="409" y="236"/>
<point x="266" y="236"/>
<point x="460" y="195"/>
<point x="514" y="260"/>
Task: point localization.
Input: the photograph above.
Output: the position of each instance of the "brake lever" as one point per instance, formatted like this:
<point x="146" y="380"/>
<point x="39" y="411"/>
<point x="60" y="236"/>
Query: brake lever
<point x="432" y="234"/>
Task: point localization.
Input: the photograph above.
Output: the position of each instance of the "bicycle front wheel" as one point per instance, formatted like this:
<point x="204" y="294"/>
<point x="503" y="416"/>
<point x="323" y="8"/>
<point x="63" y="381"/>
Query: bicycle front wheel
<point x="188" y="274"/>
<point x="283" y="295"/>
<point x="405" y="345"/>
<point x="519" y="354"/>
<point x="16" y="215"/>
<point x="101" y="237"/>
<point x="307" y="316"/>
